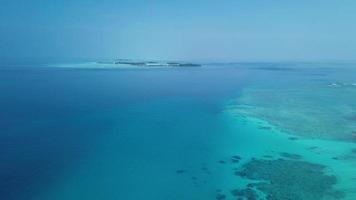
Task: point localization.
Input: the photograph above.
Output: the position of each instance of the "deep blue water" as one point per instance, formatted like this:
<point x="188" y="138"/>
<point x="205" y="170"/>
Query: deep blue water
<point x="52" y="119"/>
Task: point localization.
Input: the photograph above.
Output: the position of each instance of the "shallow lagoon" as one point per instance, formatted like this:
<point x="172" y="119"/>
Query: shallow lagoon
<point x="71" y="133"/>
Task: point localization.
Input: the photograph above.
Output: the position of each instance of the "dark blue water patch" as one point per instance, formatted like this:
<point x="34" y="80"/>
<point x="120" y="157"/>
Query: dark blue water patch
<point x="36" y="155"/>
<point x="47" y="124"/>
<point x="47" y="93"/>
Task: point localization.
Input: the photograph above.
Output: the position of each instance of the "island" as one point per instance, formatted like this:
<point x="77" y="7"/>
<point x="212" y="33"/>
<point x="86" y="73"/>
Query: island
<point x="150" y="63"/>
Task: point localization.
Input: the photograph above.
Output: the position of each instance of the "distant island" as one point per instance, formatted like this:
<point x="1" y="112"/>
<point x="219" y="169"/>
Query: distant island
<point x="150" y="63"/>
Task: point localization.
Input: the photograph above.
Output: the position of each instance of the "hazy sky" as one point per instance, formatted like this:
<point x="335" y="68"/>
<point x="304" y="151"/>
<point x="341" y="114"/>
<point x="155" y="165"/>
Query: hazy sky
<point x="236" y="30"/>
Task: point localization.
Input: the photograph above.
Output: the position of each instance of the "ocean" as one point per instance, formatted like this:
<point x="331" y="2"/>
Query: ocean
<point x="221" y="131"/>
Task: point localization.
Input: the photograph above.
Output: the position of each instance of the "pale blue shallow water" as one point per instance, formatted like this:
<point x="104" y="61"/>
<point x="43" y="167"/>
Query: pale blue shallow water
<point x="71" y="133"/>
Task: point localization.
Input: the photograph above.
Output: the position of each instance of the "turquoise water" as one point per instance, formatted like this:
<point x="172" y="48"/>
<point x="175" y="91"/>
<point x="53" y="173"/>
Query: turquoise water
<point x="168" y="133"/>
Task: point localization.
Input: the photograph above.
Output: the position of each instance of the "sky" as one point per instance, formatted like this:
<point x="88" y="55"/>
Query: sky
<point x="224" y="30"/>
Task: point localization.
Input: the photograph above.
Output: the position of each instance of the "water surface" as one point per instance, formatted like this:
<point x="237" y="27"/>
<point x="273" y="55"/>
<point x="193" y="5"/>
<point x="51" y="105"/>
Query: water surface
<point x="177" y="133"/>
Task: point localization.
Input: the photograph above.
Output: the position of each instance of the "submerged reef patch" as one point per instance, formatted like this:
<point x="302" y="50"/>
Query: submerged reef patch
<point x="180" y="171"/>
<point x="293" y="138"/>
<point x="222" y="161"/>
<point x="248" y="193"/>
<point x="290" y="155"/>
<point x="220" y="197"/>
<point x="351" y="117"/>
<point x="235" y="159"/>
<point x="351" y="155"/>
<point x="353" y="151"/>
<point x="287" y="179"/>
<point x="264" y="128"/>
<point x="311" y="111"/>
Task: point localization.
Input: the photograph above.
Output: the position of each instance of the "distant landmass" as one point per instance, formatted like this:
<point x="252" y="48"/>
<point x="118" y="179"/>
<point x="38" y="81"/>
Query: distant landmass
<point x="150" y="63"/>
